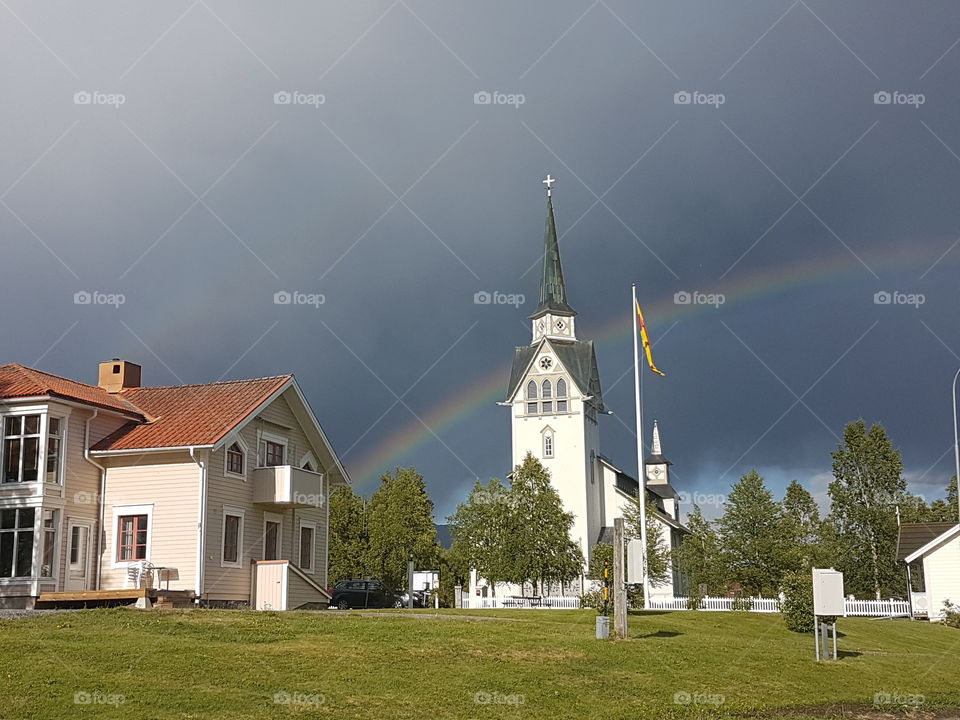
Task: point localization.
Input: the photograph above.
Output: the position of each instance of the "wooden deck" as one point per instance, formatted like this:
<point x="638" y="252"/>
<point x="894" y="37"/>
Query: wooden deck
<point x="96" y="598"/>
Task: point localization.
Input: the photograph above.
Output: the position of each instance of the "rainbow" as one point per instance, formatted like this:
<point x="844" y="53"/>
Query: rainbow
<point x="660" y="313"/>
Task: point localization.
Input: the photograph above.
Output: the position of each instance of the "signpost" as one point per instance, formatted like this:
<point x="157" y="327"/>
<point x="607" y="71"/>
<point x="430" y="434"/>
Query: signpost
<point x="827" y="602"/>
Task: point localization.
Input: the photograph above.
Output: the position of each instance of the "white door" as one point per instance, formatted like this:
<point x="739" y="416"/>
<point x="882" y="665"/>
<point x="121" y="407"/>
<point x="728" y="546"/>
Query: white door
<point x="79" y="534"/>
<point x="271" y="585"/>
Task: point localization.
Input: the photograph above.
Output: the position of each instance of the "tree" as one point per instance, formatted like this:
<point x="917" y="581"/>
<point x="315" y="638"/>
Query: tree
<point x="348" y="544"/>
<point x="400" y="527"/>
<point x="479" y="530"/>
<point x="944" y="510"/>
<point x="750" y="538"/>
<point x="867" y="488"/>
<point x="659" y="568"/>
<point x="537" y="530"/>
<point x="800" y="528"/>
<point x="699" y="558"/>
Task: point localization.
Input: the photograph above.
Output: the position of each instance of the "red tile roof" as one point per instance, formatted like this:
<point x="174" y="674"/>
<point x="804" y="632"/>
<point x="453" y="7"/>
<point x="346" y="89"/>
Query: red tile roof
<point x="18" y="381"/>
<point x="173" y="416"/>
<point x="189" y="415"/>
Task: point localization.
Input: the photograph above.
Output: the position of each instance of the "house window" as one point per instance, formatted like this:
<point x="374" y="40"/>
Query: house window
<point x="132" y="538"/>
<point x="548" y="444"/>
<point x="232" y="537"/>
<point x="16" y="542"/>
<point x="271" y="538"/>
<point x="272" y="453"/>
<point x="307" y="532"/>
<point x="235" y="459"/>
<point x="21" y="448"/>
<point x="561" y="395"/>
<point x="54" y="439"/>
<point x="48" y="559"/>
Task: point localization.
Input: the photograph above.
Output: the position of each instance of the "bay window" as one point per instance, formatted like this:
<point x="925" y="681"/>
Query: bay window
<point x="16" y="542"/>
<point x="21" y="448"/>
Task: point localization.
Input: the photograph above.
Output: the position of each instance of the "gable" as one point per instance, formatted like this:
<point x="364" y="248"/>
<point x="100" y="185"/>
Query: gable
<point x="577" y="358"/>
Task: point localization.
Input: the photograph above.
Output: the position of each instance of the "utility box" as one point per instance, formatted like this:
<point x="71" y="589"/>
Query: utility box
<point x="828" y="592"/>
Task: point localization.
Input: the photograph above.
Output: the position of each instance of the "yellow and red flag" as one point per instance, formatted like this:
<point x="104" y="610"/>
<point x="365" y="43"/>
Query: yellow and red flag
<point x="645" y="339"/>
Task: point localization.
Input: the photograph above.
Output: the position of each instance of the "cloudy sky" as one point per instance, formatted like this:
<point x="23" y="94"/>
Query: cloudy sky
<point x="790" y="169"/>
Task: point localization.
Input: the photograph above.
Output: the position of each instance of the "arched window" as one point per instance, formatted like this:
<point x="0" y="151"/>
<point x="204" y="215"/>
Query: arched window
<point x="235" y="459"/>
<point x="532" y="398"/>
<point x="547" y="393"/>
<point x="548" y="443"/>
<point x="561" y="395"/>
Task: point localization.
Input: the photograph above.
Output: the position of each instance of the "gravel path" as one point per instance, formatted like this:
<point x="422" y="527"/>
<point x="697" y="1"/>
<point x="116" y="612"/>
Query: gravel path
<point x="17" y="614"/>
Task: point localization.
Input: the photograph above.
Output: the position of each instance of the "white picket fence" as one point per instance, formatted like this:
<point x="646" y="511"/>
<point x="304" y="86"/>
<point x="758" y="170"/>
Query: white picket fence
<point x="861" y="608"/>
<point x="525" y="603"/>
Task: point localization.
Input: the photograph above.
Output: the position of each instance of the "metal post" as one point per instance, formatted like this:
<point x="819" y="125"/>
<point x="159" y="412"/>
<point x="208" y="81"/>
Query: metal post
<point x="956" y="441"/>
<point x="816" y="636"/>
<point x="619" y="586"/>
<point x="410" y="584"/>
<point x="834" y="641"/>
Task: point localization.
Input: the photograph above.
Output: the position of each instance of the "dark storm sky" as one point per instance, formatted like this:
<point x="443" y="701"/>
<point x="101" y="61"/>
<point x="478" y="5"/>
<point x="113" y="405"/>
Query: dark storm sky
<point x="198" y="197"/>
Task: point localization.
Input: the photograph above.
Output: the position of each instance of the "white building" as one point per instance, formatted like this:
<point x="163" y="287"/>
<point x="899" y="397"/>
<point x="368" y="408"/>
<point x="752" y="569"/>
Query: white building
<point x="936" y="548"/>
<point x="556" y="402"/>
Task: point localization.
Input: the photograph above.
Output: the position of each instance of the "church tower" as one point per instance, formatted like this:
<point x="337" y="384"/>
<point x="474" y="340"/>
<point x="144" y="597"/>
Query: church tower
<point x="555" y="398"/>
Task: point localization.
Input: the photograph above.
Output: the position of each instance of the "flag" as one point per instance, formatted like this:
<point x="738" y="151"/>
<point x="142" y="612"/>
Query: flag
<point x="645" y="339"/>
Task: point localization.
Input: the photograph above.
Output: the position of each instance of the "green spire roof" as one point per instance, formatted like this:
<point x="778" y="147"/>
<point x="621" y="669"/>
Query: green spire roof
<point x="553" y="294"/>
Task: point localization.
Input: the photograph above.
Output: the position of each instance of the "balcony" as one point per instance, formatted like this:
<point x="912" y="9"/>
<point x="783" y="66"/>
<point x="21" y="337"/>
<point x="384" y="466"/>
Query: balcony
<point x="285" y="486"/>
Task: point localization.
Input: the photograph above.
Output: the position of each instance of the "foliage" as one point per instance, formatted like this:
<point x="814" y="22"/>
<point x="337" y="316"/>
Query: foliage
<point x="743" y="603"/>
<point x="797" y="604"/>
<point x="537" y="530"/>
<point x="865" y="493"/>
<point x="944" y="510"/>
<point x="479" y="528"/>
<point x="951" y="614"/>
<point x="635" y="597"/>
<point x="659" y="568"/>
<point x="400" y="528"/>
<point x="348" y="542"/>
<point x="601" y="553"/>
<point x="800" y="529"/>
<point x="699" y="558"/>
<point x="694" y="601"/>
<point x="750" y="535"/>
<point x="593" y="599"/>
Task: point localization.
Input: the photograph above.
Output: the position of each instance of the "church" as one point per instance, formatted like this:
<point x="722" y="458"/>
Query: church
<point x="556" y="404"/>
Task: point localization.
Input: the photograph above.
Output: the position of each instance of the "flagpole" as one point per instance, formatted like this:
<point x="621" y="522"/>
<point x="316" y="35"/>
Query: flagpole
<point x="641" y="479"/>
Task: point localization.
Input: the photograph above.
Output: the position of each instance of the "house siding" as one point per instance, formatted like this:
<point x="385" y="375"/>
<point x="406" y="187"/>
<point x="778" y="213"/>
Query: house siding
<point x="941" y="572"/>
<point x="300" y="593"/>
<point x="233" y="583"/>
<point x="170" y="482"/>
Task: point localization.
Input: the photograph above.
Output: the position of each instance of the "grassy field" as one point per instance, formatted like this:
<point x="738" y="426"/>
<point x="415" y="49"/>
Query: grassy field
<point x="125" y="663"/>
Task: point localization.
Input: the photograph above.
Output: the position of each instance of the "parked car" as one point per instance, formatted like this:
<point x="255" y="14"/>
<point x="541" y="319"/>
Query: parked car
<point x="369" y="593"/>
<point x="419" y="599"/>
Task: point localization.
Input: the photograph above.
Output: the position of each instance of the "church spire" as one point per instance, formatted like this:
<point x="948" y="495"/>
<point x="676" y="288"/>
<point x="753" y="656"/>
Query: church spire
<point x="655" y="445"/>
<point x="553" y="293"/>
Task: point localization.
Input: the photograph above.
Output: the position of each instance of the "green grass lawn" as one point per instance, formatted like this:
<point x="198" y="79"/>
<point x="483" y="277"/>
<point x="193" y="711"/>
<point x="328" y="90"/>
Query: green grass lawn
<point x="520" y="664"/>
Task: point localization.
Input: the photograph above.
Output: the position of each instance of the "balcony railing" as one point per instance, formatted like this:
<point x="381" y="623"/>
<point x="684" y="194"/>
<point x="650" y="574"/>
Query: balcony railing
<point x="287" y="487"/>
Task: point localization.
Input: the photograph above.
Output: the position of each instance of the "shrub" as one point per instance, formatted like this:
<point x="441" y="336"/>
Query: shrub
<point x="743" y="603"/>
<point x="594" y="599"/>
<point x="797" y="602"/>
<point x="694" y="602"/>
<point x="951" y="614"/>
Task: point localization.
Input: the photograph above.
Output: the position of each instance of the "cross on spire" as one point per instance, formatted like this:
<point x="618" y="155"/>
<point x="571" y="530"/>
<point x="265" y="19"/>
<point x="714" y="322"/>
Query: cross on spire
<point x="549" y="181"/>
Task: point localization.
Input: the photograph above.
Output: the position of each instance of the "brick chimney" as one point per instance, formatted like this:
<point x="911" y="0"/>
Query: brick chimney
<point x="118" y="375"/>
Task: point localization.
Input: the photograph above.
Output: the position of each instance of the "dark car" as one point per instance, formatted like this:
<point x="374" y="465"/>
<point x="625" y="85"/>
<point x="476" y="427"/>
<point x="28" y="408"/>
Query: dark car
<point x="361" y="594"/>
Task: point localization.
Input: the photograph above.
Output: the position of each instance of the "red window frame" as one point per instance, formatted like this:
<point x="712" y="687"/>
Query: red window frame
<point x="127" y="539"/>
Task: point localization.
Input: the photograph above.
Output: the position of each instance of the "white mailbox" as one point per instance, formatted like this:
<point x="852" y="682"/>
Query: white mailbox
<point x="828" y="592"/>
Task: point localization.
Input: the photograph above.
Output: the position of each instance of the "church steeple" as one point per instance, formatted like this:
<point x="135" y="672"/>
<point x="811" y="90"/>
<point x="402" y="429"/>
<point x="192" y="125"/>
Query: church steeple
<point x="553" y="293"/>
<point x="553" y="316"/>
